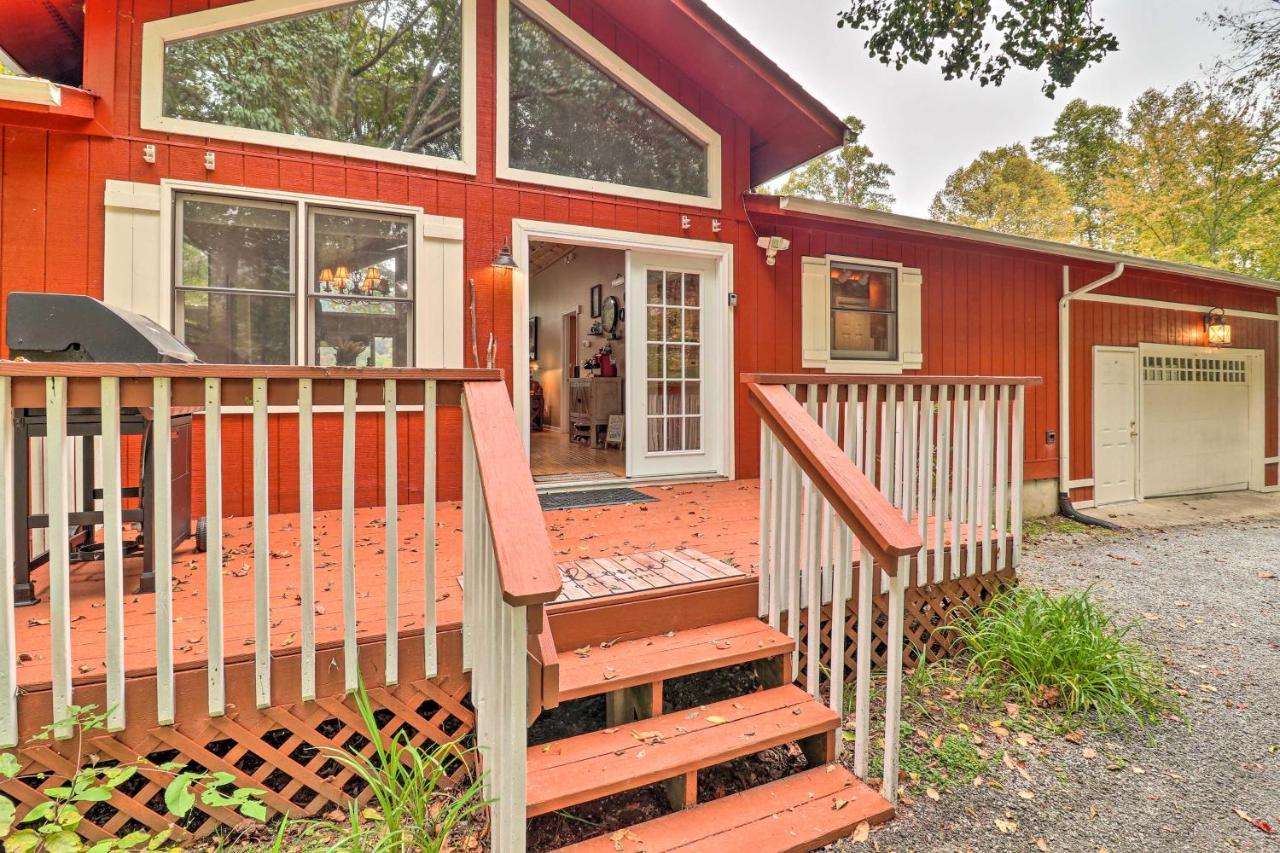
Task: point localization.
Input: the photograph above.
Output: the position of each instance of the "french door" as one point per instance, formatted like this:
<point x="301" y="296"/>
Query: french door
<point x="676" y="364"/>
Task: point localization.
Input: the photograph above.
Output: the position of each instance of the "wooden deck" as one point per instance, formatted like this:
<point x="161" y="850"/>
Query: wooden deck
<point x="692" y="534"/>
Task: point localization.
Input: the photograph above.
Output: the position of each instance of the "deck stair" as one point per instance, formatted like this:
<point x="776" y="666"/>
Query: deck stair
<point x="642" y="746"/>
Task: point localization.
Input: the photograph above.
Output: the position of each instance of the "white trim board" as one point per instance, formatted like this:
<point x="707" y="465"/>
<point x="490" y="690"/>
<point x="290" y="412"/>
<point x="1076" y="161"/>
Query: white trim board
<point x="1172" y="306"/>
<point x="523" y="231"/>
<point x="620" y="71"/>
<point x="156" y="34"/>
<point x="138" y="268"/>
<point x="30" y="90"/>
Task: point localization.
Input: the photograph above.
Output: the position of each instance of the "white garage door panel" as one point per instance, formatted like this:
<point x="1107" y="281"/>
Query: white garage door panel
<point x="1195" y="425"/>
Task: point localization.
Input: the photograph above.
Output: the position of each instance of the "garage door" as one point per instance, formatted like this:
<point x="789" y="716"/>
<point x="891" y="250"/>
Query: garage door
<point x="1195" y="424"/>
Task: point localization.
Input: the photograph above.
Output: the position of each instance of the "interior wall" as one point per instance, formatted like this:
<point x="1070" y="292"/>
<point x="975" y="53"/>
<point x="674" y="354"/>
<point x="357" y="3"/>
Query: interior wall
<point x="562" y="288"/>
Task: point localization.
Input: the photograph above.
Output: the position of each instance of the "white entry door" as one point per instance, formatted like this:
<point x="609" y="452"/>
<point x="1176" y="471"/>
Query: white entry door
<point x="1115" y="425"/>
<point x="676" y="362"/>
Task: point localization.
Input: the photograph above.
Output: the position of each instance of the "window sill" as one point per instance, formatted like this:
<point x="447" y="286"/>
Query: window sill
<point x="869" y="367"/>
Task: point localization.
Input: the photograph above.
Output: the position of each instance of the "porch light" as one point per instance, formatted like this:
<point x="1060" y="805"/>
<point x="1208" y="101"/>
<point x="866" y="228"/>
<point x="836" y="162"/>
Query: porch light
<point x="1219" y="330"/>
<point x="504" y="261"/>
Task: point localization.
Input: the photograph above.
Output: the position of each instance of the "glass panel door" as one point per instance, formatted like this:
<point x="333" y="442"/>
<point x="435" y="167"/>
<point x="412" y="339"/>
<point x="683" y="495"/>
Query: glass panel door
<point x="680" y="346"/>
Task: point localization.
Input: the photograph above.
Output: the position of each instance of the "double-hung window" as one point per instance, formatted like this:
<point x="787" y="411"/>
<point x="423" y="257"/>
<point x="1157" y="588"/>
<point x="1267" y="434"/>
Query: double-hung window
<point x="268" y="282"/>
<point x="861" y="315"/>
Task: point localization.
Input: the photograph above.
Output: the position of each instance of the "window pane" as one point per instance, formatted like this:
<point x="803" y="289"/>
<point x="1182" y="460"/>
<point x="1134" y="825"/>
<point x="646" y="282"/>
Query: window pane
<point x="384" y="73"/>
<point x="858" y="334"/>
<point x="362" y="255"/>
<point x="570" y="118"/>
<point x="361" y="332"/>
<point x="237" y="328"/>
<point x="862" y="288"/>
<point x="235" y="245"/>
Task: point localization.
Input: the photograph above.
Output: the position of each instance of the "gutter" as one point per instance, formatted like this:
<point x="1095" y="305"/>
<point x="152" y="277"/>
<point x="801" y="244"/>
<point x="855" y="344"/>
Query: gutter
<point x="1065" y="507"/>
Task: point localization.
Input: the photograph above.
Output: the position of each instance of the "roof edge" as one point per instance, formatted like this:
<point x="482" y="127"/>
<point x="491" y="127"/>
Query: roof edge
<point x="849" y="213"/>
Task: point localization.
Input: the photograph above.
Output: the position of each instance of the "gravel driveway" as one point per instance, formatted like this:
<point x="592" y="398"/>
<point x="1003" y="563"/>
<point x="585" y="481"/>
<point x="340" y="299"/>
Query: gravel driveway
<point x="1207" y="599"/>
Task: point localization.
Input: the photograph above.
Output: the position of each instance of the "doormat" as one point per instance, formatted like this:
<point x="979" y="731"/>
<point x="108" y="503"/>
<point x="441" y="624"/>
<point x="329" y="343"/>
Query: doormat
<point x="579" y="476"/>
<point x="599" y="497"/>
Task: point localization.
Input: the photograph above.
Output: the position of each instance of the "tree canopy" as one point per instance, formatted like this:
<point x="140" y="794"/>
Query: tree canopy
<point x="1006" y="190"/>
<point x="847" y="176"/>
<point x="1059" y="38"/>
<point x="1256" y="33"/>
<point x="1081" y="151"/>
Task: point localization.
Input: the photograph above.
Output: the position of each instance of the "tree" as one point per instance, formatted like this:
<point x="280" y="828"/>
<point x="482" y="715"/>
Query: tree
<point x="1005" y="190"/>
<point x="1198" y="179"/>
<point x="1058" y="37"/>
<point x="1082" y="151"/>
<point x="1256" y="33"/>
<point x="847" y="176"/>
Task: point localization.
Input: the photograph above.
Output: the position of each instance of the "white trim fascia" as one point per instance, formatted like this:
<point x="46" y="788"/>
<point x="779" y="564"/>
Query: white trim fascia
<point x="623" y="73"/>
<point x="525" y="230"/>
<point x="433" y="264"/>
<point x="30" y="90"/>
<point x="1175" y="306"/>
<point x="1087" y="482"/>
<point x="156" y="34"/>
<point x="860" y="215"/>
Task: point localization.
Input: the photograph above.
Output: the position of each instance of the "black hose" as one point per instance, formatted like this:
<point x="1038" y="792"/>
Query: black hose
<point x="1066" y="510"/>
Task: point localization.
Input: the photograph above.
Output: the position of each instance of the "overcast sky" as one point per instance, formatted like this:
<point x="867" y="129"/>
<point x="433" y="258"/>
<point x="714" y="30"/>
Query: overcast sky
<point x="924" y="126"/>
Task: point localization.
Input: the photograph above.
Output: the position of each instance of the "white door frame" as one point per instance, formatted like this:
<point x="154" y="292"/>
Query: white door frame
<point x="524" y="231"/>
<point x="1136" y="473"/>
<point x="1256" y="361"/>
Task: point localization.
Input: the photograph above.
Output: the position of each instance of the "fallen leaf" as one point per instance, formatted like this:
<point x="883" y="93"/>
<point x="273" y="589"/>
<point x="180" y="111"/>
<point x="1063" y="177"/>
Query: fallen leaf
<point x="1042" y="845"/>
<point x="716" y="720"/>
<point x="1008" y="827"/>
<point x="1027" y="795"/>
<point x="932" y="794"/>
<point x="861" y="832"/>
<point x="1257" y="822"/>
<point x="839" y="804"/>
<point x="1088" y="753"/>
<point x="1075" y="737"/>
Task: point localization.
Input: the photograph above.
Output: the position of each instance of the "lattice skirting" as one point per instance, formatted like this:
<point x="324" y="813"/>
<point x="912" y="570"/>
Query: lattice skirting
<point x="283" y="750"/>
<point x="928" y="608"/>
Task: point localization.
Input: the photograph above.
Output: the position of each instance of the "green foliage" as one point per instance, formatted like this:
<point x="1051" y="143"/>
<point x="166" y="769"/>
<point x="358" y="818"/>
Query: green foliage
<point x="972" y="39"/>
<point x="414" y="807"/>
<point x="51" y="826"/>
<point x="1256" y="33"/>
<point x="847" y="176"/>
<point x="1062" y="651"/>
<point x="1082" y="151"/>
<point x="385" y="73"/>
<point x="1006" y="190"/>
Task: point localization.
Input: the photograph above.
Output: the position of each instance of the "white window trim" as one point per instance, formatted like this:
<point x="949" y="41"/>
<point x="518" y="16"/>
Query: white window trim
<point x="148" y="262"/>
<point x="816" y="321"/>
<point x="156" y="34"/>
<point x="617" y="68"/>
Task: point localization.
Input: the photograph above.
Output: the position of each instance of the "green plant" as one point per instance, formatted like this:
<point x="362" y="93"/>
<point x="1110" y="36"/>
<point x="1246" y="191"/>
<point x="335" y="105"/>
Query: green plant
<point x="1062" y="651"/>
<point x="51" y="826"/>
<point x="414" y="807"/>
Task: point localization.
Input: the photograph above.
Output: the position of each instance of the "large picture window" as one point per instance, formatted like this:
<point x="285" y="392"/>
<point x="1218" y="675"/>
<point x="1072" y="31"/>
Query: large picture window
<point x="574" y="114"/>
<point x="238" y="298"/>
<point x="392" y="75"/>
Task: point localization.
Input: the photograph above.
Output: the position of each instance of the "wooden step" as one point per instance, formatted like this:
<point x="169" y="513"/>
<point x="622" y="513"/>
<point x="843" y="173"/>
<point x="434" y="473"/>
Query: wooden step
<point x="579" y="769"/>
<point x="630" y="663"/>
<point x="799" y="813"/>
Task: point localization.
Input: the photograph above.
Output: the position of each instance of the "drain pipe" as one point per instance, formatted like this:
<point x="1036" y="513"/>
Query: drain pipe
<point x="1065" y="507"/>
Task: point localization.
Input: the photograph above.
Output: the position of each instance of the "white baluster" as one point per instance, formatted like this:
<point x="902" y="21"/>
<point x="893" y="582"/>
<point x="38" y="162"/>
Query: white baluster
<point x="261" y="548"/>
<point x="893" y="689"/>
<point x="764" y="578"/>
<point x="941" y="503"/>
<point x="307" y="535"/>
<point x="1002" y="477"/>
<point x="213" y="537"/>
<point x="1015" y="476"/>
<point x="391" y="501"/>
<point x="113" y="552"/>
<point x="8" y="638"/>
<point x="160" y="539"/>
<point x="429" y="456"/>
<point x="974" y="464"/>
<point x="958" y="444"/>
<point x="862" y="703"/>
<point x="813" y="566"/>
<point x="55" y="467"/>
<point x="350" y="652"/>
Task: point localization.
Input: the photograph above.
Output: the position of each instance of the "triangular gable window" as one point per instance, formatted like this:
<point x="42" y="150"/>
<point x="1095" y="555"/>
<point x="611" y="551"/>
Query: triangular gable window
<point x="393" y="75"/>
<point x="570" y="118"/>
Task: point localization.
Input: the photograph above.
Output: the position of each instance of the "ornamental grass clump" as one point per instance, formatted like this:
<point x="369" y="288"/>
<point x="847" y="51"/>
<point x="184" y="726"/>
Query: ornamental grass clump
<point x="1063" y="651"/>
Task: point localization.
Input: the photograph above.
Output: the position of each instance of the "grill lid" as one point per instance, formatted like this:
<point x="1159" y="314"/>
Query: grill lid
<point x="68" y="327"/>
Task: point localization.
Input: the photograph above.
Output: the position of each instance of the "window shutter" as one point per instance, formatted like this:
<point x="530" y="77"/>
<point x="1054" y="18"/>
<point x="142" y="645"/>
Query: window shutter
<point x="815" y="309"/>
<point x="910" y="319"/>
<point x="131" y="275"/>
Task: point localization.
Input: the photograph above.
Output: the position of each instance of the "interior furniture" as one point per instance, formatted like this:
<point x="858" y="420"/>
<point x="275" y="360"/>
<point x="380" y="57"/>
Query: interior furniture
<point x="591" y="401"/>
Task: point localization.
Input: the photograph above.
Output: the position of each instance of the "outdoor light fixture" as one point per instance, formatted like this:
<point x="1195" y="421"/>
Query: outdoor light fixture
<point x="772" y="246"/>
<point x="1219" y="330"/>
<point x="504" y="261"/>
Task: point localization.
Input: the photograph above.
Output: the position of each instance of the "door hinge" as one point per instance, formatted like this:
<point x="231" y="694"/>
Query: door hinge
<point x="733" y="300"/>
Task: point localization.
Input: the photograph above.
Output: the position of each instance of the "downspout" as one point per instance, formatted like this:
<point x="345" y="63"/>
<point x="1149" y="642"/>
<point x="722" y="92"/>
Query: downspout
<point x="1065" y="507"/>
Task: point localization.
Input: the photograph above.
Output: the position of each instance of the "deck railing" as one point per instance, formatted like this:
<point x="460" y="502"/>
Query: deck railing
<point x="858" y="475"/>
<point x="509" y="566"/>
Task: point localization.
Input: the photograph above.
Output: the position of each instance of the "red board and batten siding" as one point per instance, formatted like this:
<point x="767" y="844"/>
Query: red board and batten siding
<point x="989" y="310"/>
<point x="51" y="217"/>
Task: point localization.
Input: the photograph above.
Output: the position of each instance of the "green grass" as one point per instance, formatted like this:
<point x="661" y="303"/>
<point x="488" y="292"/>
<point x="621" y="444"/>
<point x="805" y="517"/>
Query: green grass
<point x="1063" y="651"/>
<point x="1035" y="528"/>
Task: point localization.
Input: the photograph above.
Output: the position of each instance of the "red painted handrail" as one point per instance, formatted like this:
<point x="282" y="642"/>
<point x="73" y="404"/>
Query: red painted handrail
<point x="527" y="570"/>
<point x="877" y="524"/>
<point x="874" y="379"/>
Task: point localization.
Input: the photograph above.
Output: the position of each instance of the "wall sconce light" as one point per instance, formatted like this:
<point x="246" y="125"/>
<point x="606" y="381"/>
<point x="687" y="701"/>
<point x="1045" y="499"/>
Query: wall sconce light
<point x="1217" y="327"/>
<point x="504" y="261"/>
<point x="772" y="246"/>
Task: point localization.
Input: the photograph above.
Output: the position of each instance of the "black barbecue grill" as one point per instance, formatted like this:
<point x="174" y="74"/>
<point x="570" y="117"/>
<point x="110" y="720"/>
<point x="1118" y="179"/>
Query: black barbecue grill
<point x="58" y="327"/>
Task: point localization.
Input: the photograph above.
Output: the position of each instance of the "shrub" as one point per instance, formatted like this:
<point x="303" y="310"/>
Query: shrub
<point x="1063" y="650"/>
